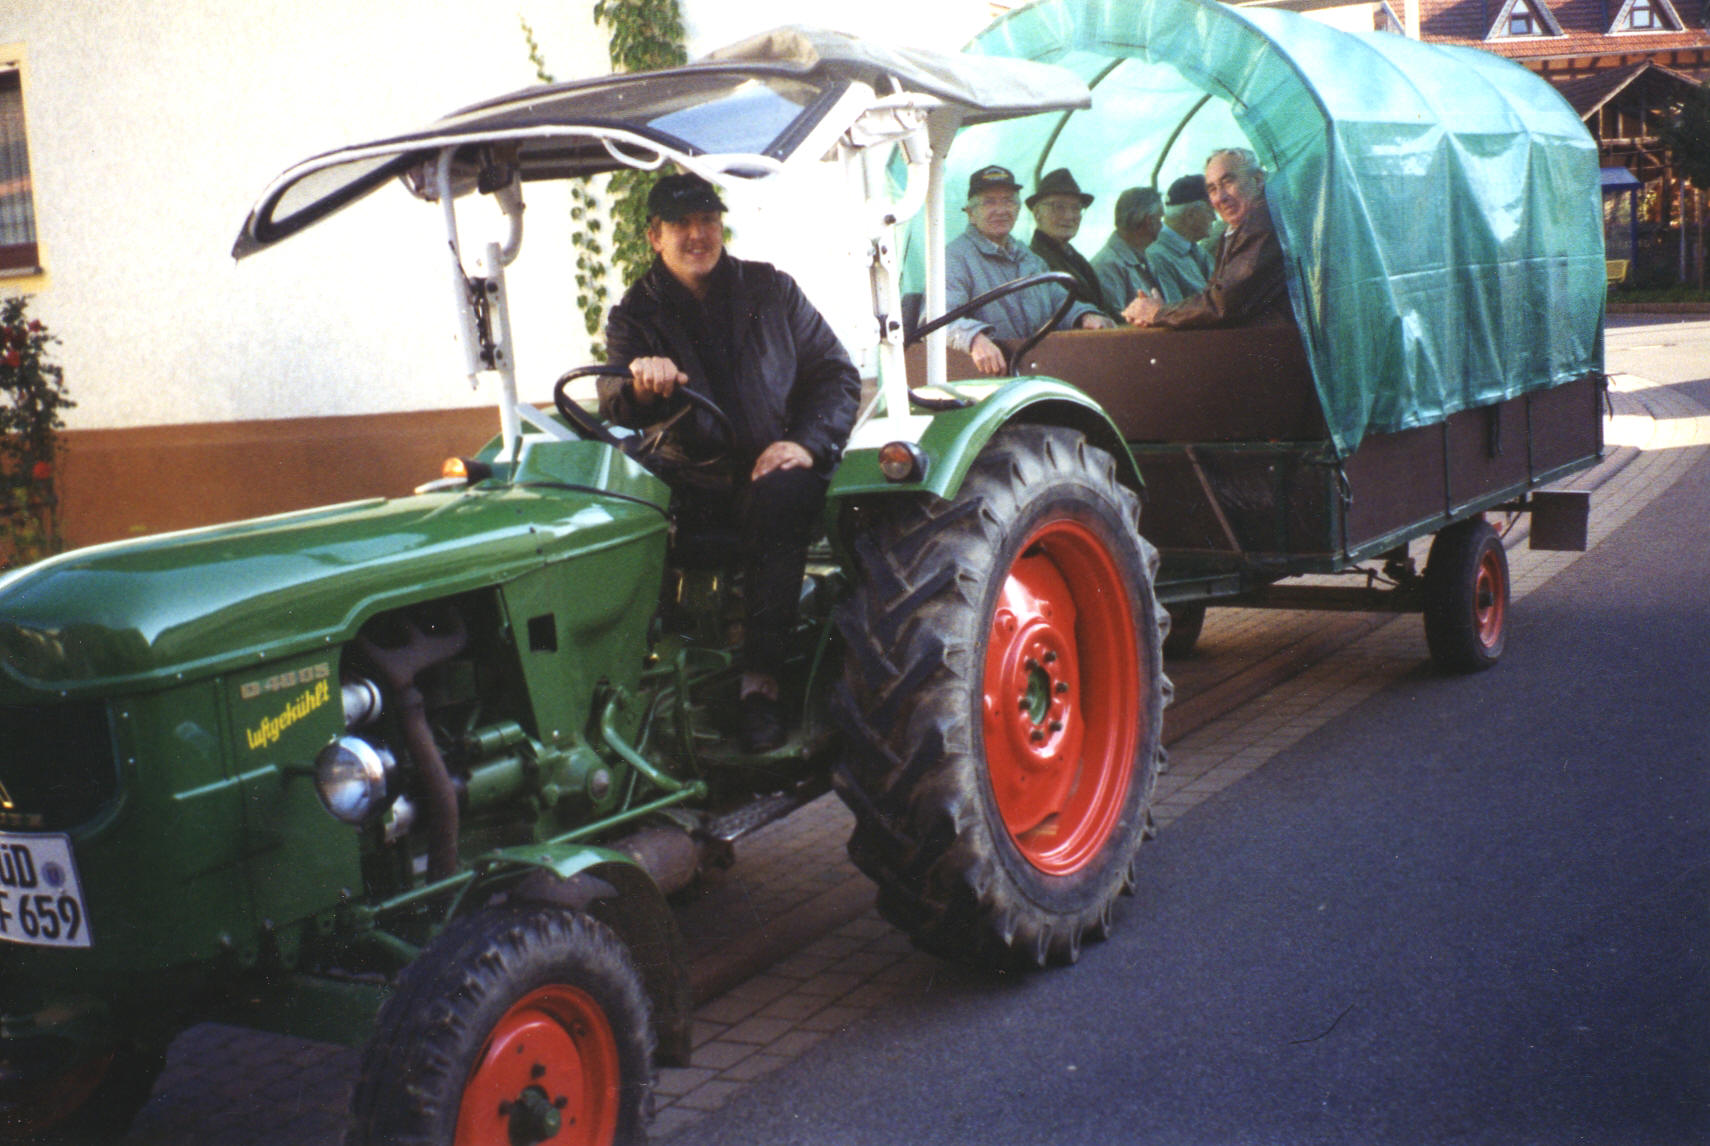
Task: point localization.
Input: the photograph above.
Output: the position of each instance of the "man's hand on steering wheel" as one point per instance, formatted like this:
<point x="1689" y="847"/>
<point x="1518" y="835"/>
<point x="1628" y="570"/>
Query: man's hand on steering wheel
<point x="643" y="447"/>
<point x="653" y="378"/>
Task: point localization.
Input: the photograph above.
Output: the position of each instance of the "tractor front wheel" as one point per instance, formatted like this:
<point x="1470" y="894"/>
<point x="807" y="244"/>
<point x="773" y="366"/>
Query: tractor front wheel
<point x="517" y="1025"/>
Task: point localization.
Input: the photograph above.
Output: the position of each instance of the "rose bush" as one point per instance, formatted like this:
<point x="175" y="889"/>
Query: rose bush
<point x="32" y="395"/>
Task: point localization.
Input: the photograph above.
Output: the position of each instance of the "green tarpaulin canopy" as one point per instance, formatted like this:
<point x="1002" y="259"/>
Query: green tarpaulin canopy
<point x="1439" y="207"/>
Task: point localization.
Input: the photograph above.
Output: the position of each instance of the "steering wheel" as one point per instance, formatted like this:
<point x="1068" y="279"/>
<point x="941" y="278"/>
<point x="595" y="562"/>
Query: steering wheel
<point x="643" y="447"/>
<point x="999" y="291"/>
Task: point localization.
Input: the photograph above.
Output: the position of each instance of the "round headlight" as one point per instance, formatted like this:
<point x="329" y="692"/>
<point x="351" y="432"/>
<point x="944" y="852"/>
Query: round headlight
<point x="902" y="461"/>
<point x="350" y="777"/>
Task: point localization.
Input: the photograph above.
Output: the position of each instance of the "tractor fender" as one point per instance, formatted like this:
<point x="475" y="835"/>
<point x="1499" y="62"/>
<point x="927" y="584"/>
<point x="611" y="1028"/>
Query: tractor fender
<point x="613" y="888"/>
<point x="950" y="440"/>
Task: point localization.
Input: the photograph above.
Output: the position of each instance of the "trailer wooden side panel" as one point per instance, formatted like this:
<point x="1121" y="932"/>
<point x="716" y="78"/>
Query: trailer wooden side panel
<point x="1240" y="474"/>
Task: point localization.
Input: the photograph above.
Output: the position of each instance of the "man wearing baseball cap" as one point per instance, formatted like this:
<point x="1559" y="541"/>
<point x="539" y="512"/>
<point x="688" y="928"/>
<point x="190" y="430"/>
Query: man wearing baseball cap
<point x="1177" y="258"/>
<point x="986" y="256"/>
<point x="743" y="334"/>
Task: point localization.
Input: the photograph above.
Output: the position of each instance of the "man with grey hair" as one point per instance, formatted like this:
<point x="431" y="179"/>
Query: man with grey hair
<point x="1121" y="264"/>
<point x="986" y="256"/>
<point x="1177" y="258"/>
<point x="1249" y="284"/>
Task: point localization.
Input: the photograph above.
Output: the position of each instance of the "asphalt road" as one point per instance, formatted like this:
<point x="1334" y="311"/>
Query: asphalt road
<point x="1470" y="910"/>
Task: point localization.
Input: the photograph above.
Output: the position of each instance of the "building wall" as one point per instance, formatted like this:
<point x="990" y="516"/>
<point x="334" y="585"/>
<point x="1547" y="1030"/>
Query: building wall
<point x="284" y="381"/>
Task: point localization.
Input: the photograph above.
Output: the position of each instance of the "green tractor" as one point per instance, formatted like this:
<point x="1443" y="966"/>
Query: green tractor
<point x="419" y="775"/>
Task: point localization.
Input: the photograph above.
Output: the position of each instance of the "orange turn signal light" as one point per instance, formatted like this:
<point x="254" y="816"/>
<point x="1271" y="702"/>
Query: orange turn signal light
<point x="465" y="469"/>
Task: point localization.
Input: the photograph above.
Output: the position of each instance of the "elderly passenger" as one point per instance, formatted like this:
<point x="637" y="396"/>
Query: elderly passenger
<point x="1057" y="209"/>
<point x="1248" y="285"/>
<point x="1181" y="264"/>
<point x="1123" y="266"/>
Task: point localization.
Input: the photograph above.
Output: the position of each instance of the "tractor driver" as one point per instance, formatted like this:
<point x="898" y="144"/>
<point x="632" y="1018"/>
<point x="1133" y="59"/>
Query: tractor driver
<point x="743" y="334"/>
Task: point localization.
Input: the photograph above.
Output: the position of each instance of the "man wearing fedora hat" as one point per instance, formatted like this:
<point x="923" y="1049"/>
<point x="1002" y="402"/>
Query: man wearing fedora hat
<point x="1057" y="208"/>
<point x="986" y="256"/>
<point x="743" y="334"/>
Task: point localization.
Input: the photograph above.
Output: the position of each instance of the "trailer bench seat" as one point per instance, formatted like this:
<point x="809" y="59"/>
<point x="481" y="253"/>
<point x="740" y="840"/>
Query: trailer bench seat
<point x="1239" y="385"/>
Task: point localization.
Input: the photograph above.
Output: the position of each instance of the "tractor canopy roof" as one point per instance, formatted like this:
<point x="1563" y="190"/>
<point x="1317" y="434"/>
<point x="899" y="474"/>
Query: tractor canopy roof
<point x="741" y="112"/>
<point x="1438" y="207"/>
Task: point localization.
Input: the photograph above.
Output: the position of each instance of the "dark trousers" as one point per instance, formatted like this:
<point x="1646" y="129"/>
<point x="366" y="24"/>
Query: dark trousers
<point x="773" y="519"/>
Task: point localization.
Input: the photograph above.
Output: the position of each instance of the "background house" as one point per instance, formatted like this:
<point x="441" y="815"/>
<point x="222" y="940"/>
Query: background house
<point x="1624" y="65"/>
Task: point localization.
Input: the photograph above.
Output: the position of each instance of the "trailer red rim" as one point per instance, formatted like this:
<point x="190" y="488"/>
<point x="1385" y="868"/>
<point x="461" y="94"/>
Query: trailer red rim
<point x="1490" y="597"/>
<point x="549" y="1071"/>
<point x="1062" y="706"/>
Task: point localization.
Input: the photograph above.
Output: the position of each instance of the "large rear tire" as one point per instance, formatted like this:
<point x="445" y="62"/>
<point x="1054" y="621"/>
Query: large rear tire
<point x="1466" y="597"/>
<point x="1002" y="700"/>
<point x="517" y="1025"/>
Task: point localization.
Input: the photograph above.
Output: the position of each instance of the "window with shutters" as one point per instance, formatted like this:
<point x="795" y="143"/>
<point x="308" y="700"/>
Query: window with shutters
<point x="19" y="254"/>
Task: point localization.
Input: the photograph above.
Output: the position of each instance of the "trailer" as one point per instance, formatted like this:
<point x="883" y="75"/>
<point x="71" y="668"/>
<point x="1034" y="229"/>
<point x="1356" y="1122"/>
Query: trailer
<point x="1439" y="215"/>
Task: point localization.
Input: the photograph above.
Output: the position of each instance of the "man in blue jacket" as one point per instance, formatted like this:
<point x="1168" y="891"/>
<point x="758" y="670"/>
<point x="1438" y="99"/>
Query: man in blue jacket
<point x="743" y="334"/>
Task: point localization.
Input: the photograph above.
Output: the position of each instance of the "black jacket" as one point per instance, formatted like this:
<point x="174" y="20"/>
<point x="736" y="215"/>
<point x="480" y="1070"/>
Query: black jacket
<point x="1059" y="256"/>
<point x="790" y="374"/>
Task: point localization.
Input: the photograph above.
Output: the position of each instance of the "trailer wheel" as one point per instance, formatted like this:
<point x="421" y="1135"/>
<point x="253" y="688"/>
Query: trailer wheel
<point x="517" y="1025"/>
<point x="1186" y="621"/>
<point x="1002" y="699"/>
<point x="1466" y="597"/>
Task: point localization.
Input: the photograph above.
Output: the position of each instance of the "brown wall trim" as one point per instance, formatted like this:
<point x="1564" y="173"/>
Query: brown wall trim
<point x="126" y="483"/>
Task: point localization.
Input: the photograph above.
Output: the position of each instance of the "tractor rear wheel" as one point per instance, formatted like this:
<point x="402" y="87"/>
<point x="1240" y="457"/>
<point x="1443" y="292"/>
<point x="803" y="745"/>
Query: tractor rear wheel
<point x="1002" y="701"/>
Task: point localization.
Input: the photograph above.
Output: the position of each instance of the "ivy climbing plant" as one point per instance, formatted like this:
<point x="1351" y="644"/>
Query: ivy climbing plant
<point x="609" y="213"/>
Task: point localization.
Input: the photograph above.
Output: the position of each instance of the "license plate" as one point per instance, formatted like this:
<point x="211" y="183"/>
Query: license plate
<point x="41" y="900"/>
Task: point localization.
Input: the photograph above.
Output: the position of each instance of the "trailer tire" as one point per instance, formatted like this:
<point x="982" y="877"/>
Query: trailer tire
<point x="518" y="1023"/>
<point x="1186" y="622"/>
<point x="1002" y="701"/>
<point x="1466" y="597"/>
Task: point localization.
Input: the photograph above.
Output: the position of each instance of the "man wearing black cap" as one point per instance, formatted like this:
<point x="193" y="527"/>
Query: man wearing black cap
<point x="743" y="334"/>
<point x="1180" y="263"/>
<point x="986" y="256"/>
<point x="1057" y="209"/>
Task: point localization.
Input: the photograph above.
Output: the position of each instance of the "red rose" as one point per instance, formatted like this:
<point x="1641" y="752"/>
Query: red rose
<point x="42" y="471"/>
<point x="12" y="357"/>
<point x="36" y="324"/>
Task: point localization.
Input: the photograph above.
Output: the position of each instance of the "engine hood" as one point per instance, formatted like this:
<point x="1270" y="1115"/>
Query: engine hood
<point x="167" y="609"/>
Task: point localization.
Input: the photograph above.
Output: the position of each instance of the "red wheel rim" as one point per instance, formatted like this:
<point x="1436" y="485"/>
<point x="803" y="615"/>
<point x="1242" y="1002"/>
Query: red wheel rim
<point x="1062" y="713"/>
<point x="553" y="1053"/>
<point x="1490" y="597"/>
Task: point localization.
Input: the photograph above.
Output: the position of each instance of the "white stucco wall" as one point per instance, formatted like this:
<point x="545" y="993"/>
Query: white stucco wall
<point x="155" y="123"/>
